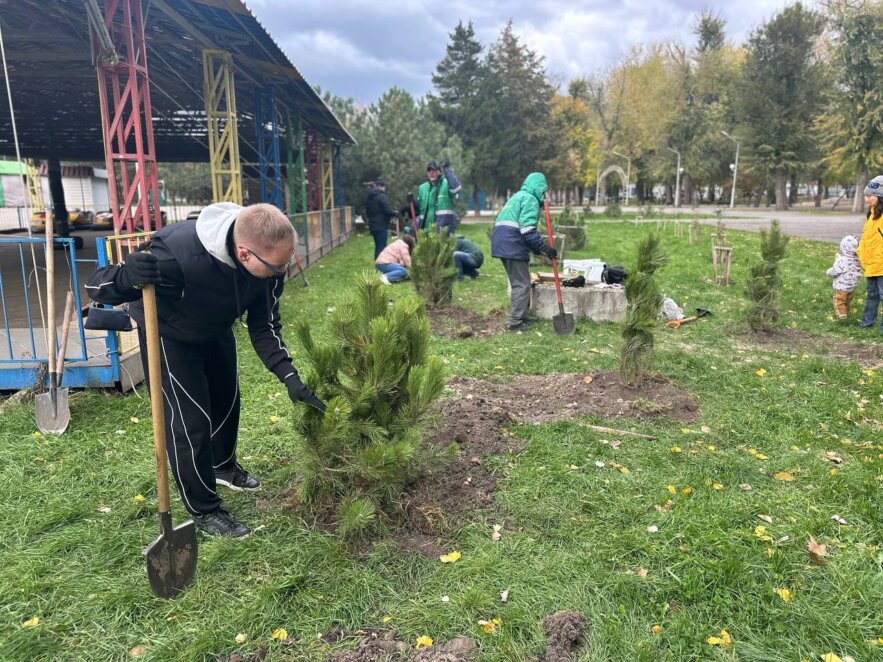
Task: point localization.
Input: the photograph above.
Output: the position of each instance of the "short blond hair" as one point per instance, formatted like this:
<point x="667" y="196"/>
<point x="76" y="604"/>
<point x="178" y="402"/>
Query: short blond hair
<point x="266" y="226"/>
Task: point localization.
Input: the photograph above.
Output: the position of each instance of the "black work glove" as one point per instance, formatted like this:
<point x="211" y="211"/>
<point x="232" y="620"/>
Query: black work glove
<point x="139" y="269"/>
<point x="550" y="252"/>
<point x="300" y="392"/>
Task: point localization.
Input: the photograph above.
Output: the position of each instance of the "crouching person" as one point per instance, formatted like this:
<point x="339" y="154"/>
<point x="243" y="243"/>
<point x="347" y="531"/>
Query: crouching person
<point x="515" y="237"/>
<point x="209" y="272"/>
<point x="468" y="258"/>
<point x="395" y="260"/>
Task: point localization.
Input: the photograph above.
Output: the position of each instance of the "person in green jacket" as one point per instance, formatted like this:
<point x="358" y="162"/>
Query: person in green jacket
<point x="515" y="237"/>
<point x="435" y="204"/>
<point x="468" y="258"/>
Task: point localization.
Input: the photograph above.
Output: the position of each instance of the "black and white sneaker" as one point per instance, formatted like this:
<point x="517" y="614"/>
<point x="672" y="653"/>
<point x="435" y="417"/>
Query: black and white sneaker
<point x="237" y="479"/>
<point x="221" y="523"/>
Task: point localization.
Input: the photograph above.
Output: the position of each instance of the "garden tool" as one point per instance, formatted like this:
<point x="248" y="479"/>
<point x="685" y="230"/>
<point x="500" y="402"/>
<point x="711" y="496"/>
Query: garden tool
<point x="676" y="324"/>
<point x="562" y="322"/>
<point x="53" y="411"/>
<point x="47" y="404"/>
<point x="413" y="211"/>
<point x="171" y="558"/>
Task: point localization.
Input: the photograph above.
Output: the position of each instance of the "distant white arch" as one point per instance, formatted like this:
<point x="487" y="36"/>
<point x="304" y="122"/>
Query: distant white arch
<point x="619" y="171"/>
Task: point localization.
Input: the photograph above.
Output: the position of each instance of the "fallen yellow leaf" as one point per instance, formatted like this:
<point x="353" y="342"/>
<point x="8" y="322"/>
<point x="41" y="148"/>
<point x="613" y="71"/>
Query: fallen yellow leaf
<point x="672" y="489"/>
<point x="387" y="619"/>
<point x="687" y="490"/>
<point x="760" y="532"/>
<point x="423" y="642"/>
<point x="831" y="657"/>
<point x="490" y="627"/>
<point x="834" y="472"/>
<point x="723" y="640"/>
<point x="712" y="448"/>
<point x="760" y="372"/>
<point x="817" y="551"/>
<point x="453" y="557"/>
<point x="135" y="419"/>
<point x="656" y="629"/>
<point x="675" y="449"/>
<point x="239" y="638"/>
<point x="274" y="419"/>
<point x="31" y="622"/>
<point x="280" y="634"/>
<point x="717" y="486"/>
<point x="139" y="498"/>
<point x="784" y="593"/>
<point x="761" y="456"/>
<point x="686" y="430"/>
<point x="784" y="475"/>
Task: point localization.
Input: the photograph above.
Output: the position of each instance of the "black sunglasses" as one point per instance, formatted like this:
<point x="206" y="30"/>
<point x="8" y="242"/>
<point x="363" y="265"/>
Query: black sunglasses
<point x="279" y="271"/>
<point x="874" y="185"/>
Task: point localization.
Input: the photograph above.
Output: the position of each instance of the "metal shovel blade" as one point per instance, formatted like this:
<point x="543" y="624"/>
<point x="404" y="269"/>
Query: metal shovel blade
<point x="171" y="558"/>
<point x="52" y="410"/>
<point x="563" y="324"/>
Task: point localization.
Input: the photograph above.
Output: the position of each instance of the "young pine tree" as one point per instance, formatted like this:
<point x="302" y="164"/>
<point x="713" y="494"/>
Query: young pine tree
<point x="765" y="281"/>
<point x="432" y="268"/>
<point x="380" y="383"/>
<point x="642" y="315"/>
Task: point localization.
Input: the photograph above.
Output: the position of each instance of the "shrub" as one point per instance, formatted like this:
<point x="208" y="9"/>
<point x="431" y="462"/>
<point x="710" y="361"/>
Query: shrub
<point x="613" y="210"/>
<point x="642" y="315"/>
<point x="765" y="282"/>
<point x="432" y="268"/>
<point x="380" y="383"/>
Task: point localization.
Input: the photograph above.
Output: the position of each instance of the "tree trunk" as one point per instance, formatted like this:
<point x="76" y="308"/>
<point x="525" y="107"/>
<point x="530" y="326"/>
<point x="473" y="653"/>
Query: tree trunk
<point x="818" y="198"/>
<point x="475" y="209"/>
<point x="781" y="190"/>
<point x="858" y="200"/>
<point x="792" y="194"/>
<point x="687" y="181"/>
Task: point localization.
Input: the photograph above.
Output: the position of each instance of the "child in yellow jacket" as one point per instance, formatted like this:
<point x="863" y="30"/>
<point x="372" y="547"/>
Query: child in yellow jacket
<point x="870" y="251"/>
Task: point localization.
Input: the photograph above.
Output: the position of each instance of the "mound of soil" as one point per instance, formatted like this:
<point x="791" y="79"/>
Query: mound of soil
<point x="796" y="340"/>
<point x="387" y="647"/>
<point x="457" y="322"/>
<point x="565" y="633"/>
<point x="477" y="419"/>
<point x="553" y="397"/>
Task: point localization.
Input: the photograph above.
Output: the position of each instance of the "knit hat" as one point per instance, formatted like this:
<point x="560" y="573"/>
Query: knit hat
<point x="378" y="183"/>
<point x="875" y="187"/>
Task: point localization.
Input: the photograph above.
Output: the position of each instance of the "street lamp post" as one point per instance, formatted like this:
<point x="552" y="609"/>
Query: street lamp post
<point x="598" y="182"/>
<point x="628" y="176"/>
<point x="677" y="178"/>
<point x="735" y="169"/>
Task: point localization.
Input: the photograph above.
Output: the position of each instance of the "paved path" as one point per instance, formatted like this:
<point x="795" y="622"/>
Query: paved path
<point x="820" y="227"/>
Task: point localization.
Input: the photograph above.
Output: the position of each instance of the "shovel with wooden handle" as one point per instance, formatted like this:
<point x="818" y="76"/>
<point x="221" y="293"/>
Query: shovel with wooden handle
<point x="562" y="322"/>
<point x="700" y="313"/>
<point x="52" y="412"/>
<point x="171" y="558"/>
<point x="53" y="417"/>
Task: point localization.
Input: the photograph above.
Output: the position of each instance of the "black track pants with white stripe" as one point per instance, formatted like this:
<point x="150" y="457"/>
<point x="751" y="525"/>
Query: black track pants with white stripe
<point x="201" y="393"/>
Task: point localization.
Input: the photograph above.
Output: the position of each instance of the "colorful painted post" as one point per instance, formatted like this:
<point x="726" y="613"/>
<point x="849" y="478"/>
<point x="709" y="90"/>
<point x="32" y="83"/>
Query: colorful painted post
<point x="223" y="135"/>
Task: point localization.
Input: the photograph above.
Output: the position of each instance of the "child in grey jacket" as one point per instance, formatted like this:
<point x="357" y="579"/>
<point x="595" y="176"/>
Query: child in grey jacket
<point x="846" y="272"/>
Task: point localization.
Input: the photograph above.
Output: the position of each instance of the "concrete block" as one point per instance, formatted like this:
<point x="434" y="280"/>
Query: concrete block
<point x="599" y="304"/>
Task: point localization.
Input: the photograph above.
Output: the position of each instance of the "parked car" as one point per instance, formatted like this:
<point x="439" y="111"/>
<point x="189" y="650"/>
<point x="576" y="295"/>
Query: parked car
<point x="77" y="220"/>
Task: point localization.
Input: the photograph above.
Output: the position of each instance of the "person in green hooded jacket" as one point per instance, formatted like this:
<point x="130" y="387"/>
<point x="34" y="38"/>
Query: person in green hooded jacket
<point x="515" y="237"/>
<point x="435" y="204"/>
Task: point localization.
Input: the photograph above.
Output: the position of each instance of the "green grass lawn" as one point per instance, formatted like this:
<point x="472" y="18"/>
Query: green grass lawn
<point x="74" y="525"/>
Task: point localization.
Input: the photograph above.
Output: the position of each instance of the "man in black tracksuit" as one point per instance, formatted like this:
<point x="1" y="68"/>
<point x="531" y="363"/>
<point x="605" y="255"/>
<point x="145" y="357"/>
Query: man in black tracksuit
<point x="379" y="213"/>
<point x="208" y="273"/>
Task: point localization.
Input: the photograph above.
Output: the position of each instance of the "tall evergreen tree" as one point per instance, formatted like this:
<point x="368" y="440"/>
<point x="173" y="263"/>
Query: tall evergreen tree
<point x="780" y="95"/>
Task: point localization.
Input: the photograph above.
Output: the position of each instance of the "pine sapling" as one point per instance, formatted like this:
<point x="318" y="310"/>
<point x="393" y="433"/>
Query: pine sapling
<point x="642" y="314"/>
<point x="765" y="281"/>
<point x="374" y="371"/>
<point x="432" y="268"/>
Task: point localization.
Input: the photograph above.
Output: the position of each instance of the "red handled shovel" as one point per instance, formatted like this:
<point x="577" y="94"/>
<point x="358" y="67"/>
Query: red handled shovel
<point x="562" y="322"/>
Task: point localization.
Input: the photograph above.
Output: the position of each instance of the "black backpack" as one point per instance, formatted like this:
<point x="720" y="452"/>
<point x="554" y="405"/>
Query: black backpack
<point x="614" y="275"/>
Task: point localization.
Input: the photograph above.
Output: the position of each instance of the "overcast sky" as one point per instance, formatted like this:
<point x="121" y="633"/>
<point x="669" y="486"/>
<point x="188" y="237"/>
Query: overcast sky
<point x="360" y="49"/>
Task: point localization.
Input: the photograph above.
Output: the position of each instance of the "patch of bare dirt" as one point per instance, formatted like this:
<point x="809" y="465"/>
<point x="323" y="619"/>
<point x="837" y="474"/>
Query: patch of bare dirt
<point x="388" y="647"/>
<point x="457" y="322"/>
<point x="565" y="634"/>
<point x="553" y="397"/>
<point x="478" y="419"/>
<point x="793" y="340"/>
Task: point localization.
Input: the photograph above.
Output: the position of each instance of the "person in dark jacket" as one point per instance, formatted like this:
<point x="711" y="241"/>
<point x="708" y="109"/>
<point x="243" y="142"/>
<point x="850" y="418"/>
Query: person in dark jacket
<point x="379" y="213"/>
<point x="515" y="237"/>
<point x="468" y="258"/>
<point x="208" y="273"/>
